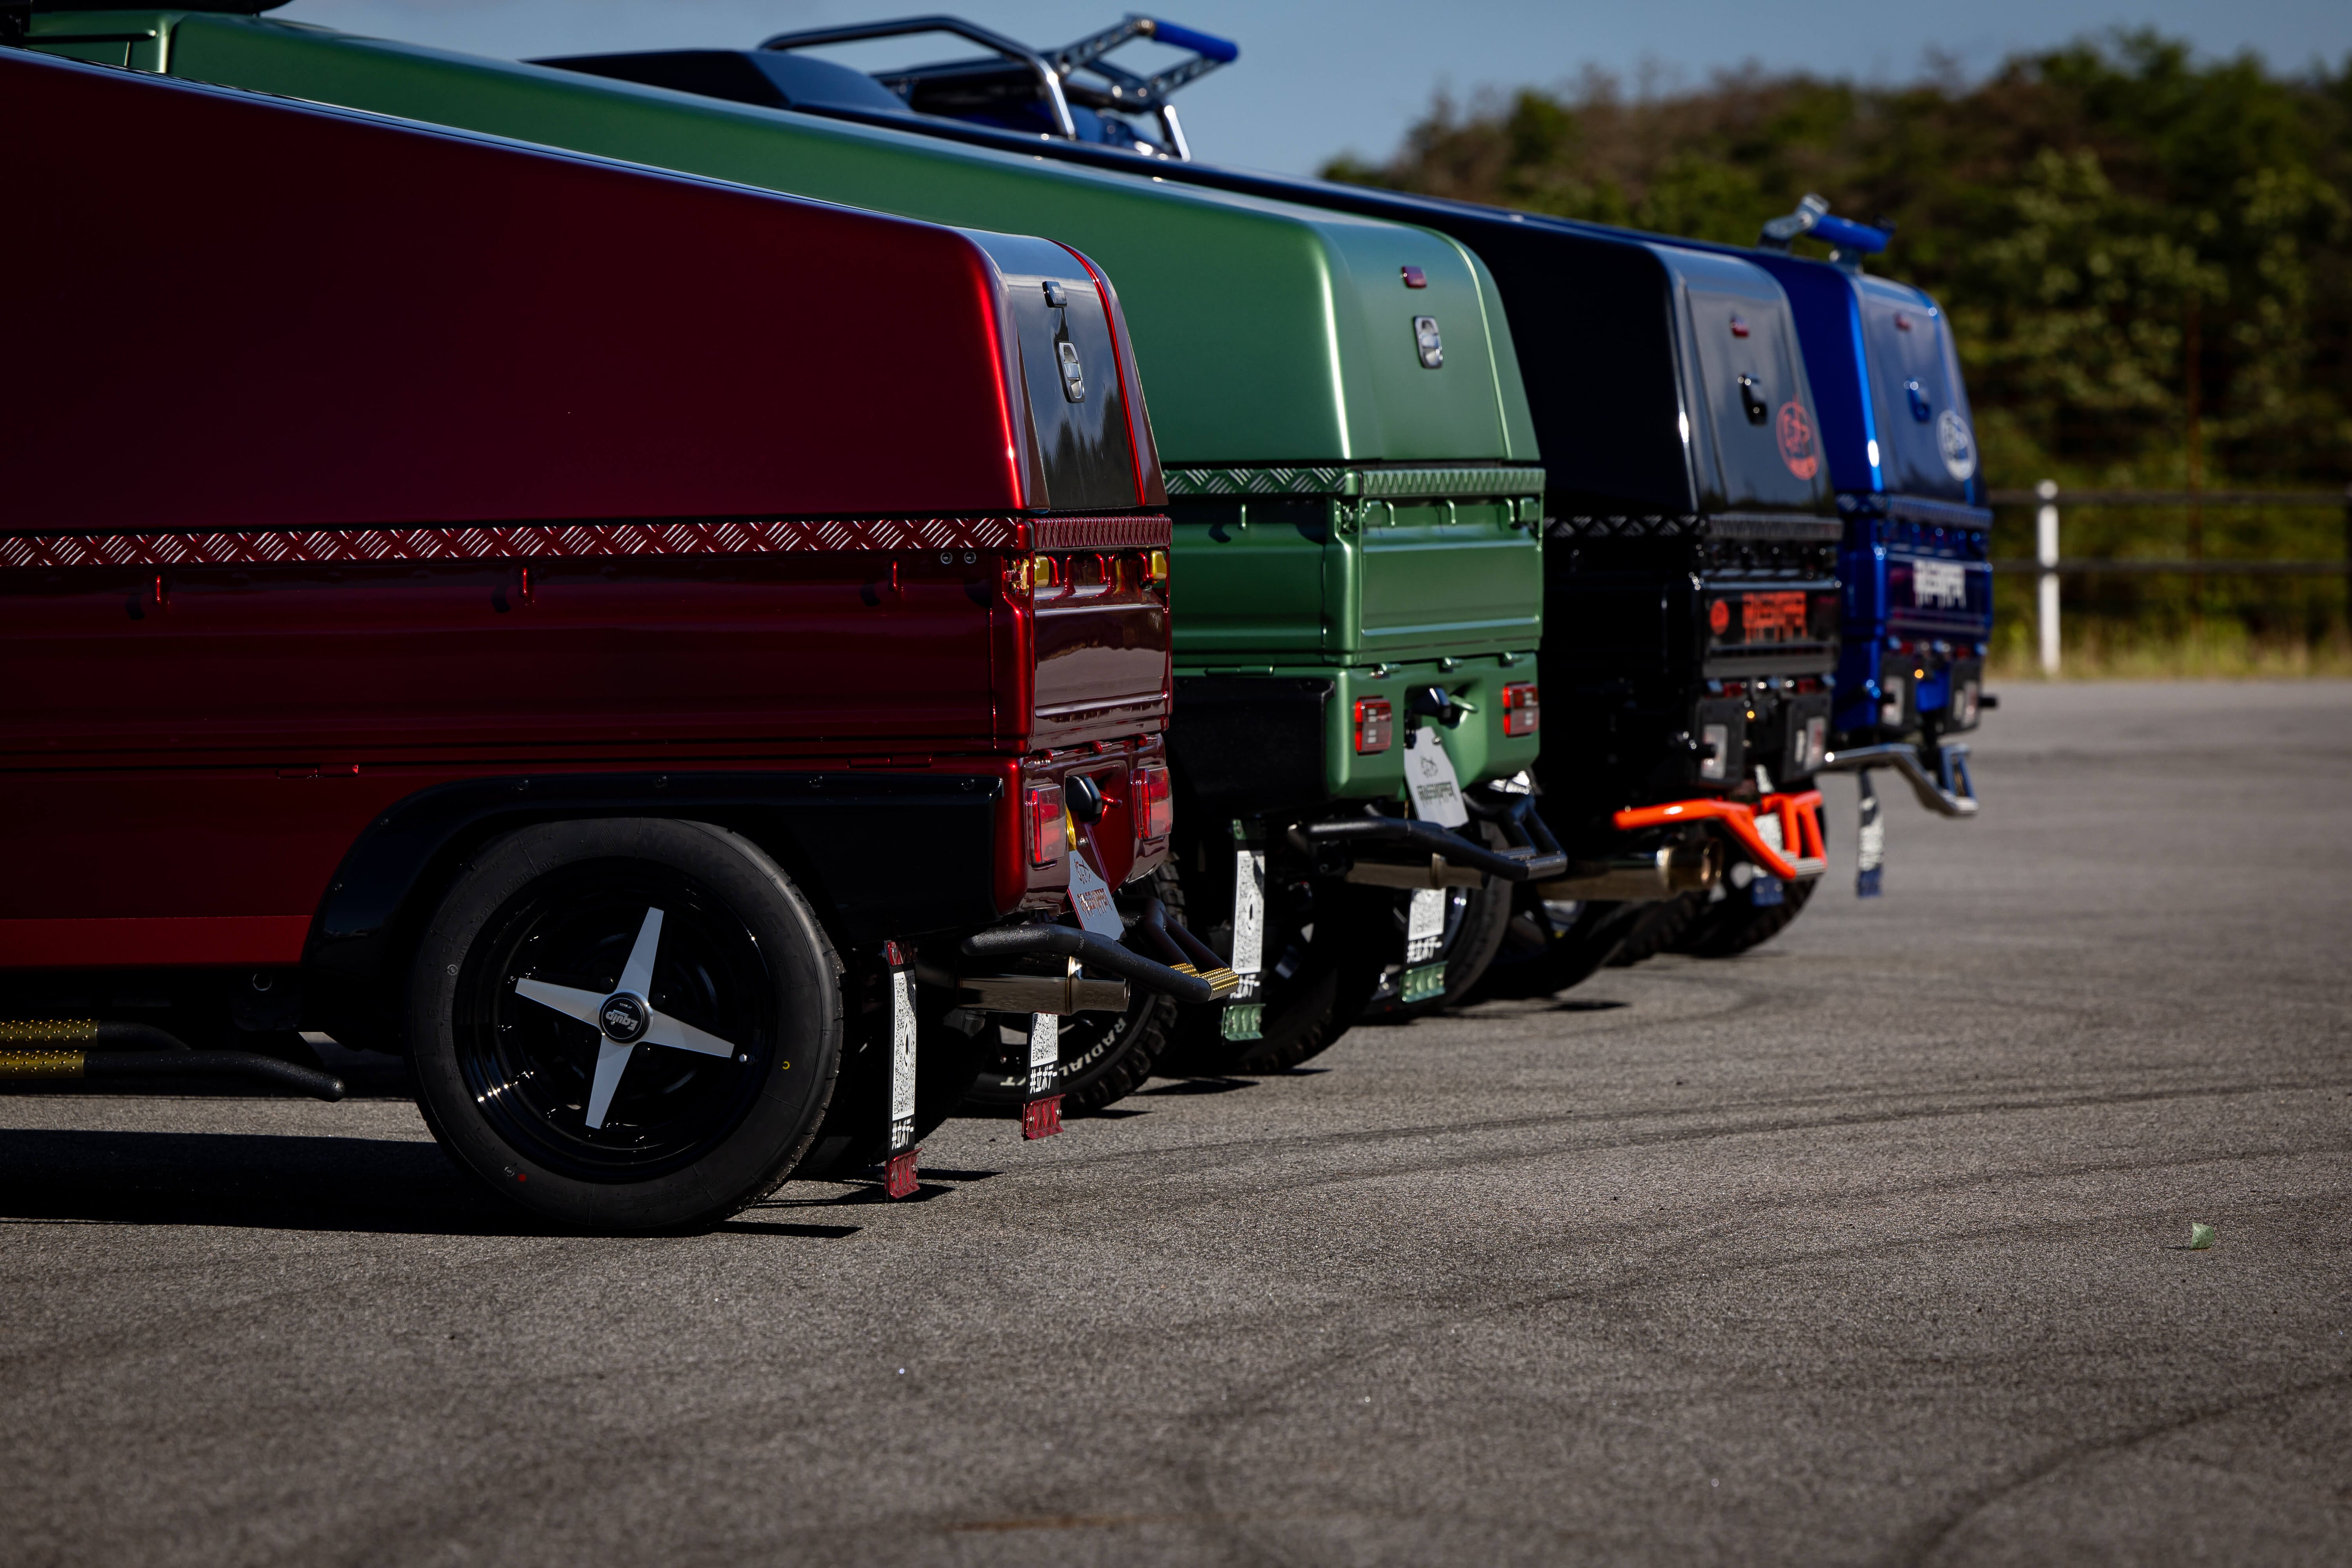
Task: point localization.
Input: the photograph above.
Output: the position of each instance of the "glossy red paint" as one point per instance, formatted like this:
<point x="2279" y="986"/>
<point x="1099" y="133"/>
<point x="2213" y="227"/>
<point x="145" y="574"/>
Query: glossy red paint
<point x="425" y="458"/>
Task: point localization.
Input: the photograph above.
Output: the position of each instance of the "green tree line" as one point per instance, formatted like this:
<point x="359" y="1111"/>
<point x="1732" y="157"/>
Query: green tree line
<point x="2146" y="255"/>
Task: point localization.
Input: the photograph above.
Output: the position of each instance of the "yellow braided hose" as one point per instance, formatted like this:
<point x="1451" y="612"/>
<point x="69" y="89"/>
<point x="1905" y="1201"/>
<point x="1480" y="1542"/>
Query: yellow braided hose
<point x="40" y="1064"/>
<point x="47" y="1031"/>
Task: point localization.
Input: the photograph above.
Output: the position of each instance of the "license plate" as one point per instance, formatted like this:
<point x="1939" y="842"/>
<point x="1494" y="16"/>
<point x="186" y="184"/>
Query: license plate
<point x="1042" y="1118"/>
<point x="1772" y="617"/>
<point x="1939" y="586"/>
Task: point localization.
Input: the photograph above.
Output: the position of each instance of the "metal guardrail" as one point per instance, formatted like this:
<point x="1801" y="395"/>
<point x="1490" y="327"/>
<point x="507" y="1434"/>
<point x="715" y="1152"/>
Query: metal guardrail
<point x="2049" y="566"/>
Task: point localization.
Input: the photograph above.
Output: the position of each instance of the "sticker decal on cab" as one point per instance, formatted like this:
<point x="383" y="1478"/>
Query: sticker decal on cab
<point x="1794" y="430"/>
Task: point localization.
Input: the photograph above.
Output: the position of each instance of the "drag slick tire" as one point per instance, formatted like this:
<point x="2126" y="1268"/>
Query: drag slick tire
<point x="1106" y="1057"/>
<point x="1735" y="922"/>
<point x="624" y="1025"/>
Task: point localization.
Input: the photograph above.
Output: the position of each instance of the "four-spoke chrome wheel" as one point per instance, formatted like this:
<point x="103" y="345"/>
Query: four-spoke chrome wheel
<point x="628" y="1024"/>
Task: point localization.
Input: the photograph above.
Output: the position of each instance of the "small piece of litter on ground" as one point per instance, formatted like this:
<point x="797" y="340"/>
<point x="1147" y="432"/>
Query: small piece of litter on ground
<point x="2201" y="1235"/>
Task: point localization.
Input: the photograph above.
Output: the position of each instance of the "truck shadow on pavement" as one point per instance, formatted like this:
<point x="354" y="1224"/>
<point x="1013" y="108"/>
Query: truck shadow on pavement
<point x="265" y="1182"/>
<point x="281" y="1181"/>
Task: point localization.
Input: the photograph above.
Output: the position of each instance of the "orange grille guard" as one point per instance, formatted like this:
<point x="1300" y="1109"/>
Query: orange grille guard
<point x="1801" y="823"/>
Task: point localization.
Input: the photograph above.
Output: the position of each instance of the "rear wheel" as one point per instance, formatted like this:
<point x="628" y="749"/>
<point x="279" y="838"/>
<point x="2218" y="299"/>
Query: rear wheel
<point x="1658" y="929"/>
<point x="1475" y="921"/>
<point x="1739" y="921"/>
<point x="1322" y="957"/>
<point x="1551" y="944"/>
<point x="1106" y="1057"/>
<point x="626" y="1025"/>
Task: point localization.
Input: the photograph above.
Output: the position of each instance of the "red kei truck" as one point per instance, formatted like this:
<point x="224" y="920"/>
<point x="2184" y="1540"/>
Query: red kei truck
<point x="647" y="650"/>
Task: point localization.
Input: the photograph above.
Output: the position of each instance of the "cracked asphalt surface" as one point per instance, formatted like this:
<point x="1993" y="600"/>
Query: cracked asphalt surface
<point x="1866" y="1248"/>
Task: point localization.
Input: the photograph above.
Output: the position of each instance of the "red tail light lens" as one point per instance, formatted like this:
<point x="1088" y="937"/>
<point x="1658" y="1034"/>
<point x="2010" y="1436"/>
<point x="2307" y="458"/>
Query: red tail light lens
<point x="1155" y="803"/>
<point x="1373" y="728"/>
<point x="1047" y="834"/>
<point x="1522" y="714"/>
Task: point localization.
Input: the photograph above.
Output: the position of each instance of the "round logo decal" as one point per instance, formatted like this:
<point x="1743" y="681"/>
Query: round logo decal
<point x="623" y="1017"/>
<point x="1718" y="616"/>
<point x="1795" y="429"/>
<point x="1958" y="446"/>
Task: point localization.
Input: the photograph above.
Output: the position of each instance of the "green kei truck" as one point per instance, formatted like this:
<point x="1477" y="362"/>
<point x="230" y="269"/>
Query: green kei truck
<point x="1350" y="463"/>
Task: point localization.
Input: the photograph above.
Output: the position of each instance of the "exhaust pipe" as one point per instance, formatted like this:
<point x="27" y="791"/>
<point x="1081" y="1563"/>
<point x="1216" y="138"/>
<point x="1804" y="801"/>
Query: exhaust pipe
<point x="1100" y="952"/>
<point x="1641" y="878"/>
<point x="55" y="1048"/>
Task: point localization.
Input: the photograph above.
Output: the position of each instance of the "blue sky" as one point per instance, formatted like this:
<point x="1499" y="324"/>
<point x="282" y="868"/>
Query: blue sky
<point x="1321" y="77"/>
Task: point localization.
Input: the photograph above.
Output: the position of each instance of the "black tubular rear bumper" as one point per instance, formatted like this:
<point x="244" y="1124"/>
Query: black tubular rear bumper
<point x="1537" y="857"/>
<point x="1094" y="951"/>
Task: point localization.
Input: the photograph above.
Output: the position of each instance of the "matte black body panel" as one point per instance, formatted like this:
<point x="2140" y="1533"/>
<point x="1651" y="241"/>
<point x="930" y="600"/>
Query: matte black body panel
<point x="1235" y="740"/>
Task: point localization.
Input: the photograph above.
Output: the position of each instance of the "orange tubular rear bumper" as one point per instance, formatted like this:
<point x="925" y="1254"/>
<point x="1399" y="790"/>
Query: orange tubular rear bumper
<point x="1800" y="815"/>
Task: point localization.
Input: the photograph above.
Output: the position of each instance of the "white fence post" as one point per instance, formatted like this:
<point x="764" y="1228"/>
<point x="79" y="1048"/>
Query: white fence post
<point x="2046" y="529"/>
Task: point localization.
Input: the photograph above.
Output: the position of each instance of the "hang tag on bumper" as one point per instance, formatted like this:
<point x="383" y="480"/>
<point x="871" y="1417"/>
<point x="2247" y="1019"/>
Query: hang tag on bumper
<point x="1090" y="898"/>
<point x="1430" y="784"/>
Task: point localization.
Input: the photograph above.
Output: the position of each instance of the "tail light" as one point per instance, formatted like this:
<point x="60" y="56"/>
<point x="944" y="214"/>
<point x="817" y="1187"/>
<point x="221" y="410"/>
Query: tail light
<point x="1522" y="714"/>
<point x="1047" y="834"/>
<point x="1373" y="728"/>
<point x="1155" y="803"/>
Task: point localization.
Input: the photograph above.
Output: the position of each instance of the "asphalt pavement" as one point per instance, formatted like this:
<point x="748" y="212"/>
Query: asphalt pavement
<point x="1866" y="1248"/>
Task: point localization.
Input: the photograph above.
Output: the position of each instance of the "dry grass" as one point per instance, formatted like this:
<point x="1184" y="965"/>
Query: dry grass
<point x="2220" y="650"/>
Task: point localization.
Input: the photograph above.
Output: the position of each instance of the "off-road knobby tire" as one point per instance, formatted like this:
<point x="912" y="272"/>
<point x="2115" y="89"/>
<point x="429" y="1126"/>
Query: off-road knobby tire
<point x="1538" y="958"/>
<point x="1658" y="929"/>
<point x="1735" y="924"/>
<point x="1105" y="1057"/>
<point x="1306" y="1012"/>
<point x="801" y="981"/>
<point x="1475" y="944"/>
<point x="1477" y="936"/>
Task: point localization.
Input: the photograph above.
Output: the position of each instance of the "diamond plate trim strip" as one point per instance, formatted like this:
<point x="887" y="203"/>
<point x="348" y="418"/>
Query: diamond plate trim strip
<point x="1050" y="533"/>
<point x="1398" y="484"/>
<point x="1724" y="525"/>
<point x="1258" y="483"/>
<point x="1384" y="484"/>
<point x="542" y="541"/>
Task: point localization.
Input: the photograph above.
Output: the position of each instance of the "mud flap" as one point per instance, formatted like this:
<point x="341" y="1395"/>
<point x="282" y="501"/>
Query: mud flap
<point x="1870" y="852"/>
<point x="899" y="1170"/>
<point x="1041" y="1113"/>
<point x="1424" y="935"/>
<point x="1244" y="1011"/>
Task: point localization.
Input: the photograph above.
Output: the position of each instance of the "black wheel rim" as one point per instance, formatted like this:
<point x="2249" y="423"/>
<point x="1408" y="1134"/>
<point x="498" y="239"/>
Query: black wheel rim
<point x="530" y="1068"/>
